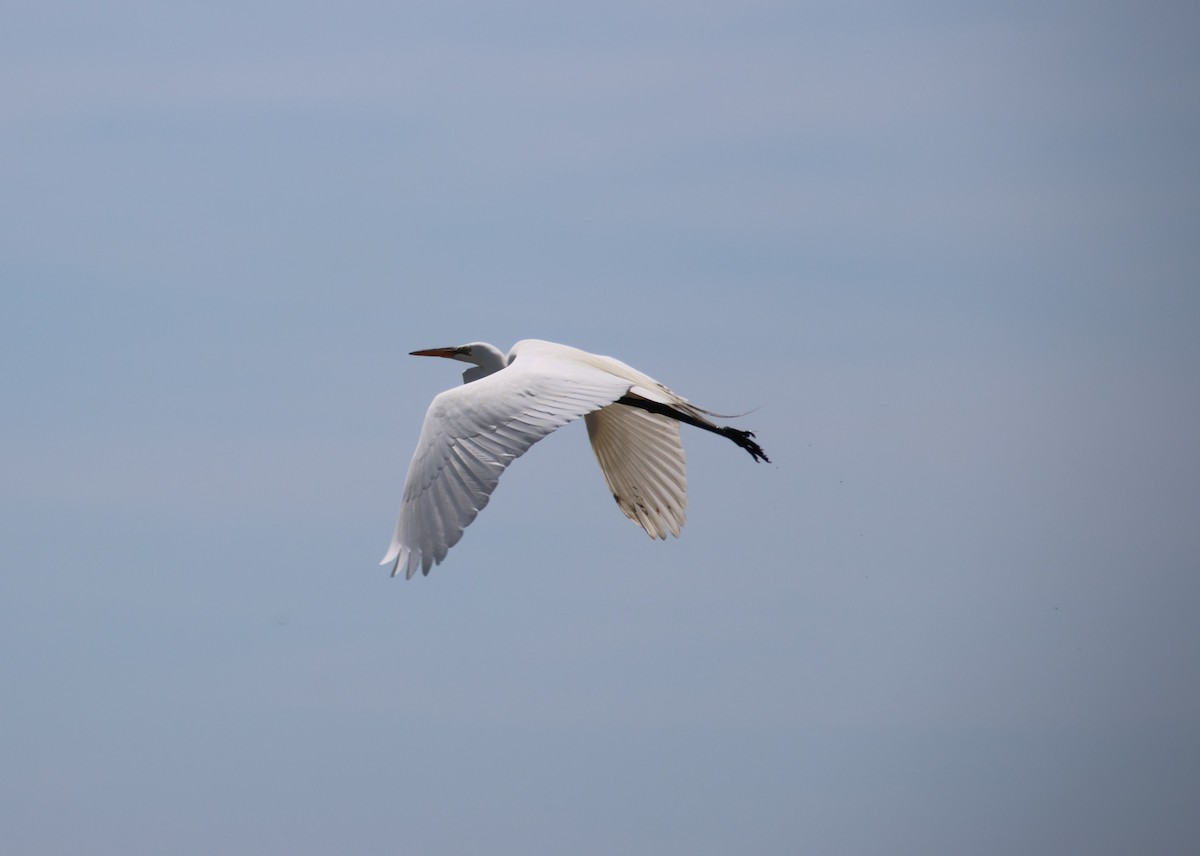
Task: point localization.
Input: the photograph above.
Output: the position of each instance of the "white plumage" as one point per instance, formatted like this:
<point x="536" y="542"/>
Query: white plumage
<point x="472" y="432"/>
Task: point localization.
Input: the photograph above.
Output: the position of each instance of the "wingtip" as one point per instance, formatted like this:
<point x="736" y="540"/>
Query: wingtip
<point x="392" y="558"/>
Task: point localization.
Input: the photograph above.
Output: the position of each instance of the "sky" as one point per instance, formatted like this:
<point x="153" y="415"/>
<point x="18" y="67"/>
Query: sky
<point x="942" y="256"/>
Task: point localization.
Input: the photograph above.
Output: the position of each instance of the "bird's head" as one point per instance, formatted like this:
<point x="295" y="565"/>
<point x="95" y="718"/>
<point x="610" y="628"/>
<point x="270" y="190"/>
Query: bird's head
<point x="487" y="357"/>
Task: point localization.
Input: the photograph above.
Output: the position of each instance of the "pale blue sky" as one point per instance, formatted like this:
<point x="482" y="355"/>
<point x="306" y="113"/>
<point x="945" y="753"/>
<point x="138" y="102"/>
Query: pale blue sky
<point x="947" y="256"/>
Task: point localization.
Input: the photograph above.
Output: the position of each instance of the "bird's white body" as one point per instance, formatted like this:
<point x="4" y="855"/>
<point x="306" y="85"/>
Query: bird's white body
<point x="472" y="432"/>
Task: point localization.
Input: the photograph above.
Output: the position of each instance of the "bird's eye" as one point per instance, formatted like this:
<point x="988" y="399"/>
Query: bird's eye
<point x="464" y="350"/>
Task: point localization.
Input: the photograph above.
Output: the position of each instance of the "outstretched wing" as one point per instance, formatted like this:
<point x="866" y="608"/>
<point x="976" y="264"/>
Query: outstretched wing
<point x="472" y="433"/>
<point x="644" y="464"/>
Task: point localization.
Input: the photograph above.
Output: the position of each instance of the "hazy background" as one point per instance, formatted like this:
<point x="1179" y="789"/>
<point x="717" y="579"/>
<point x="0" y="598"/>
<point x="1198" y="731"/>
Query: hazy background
<point x="947" y="254"/>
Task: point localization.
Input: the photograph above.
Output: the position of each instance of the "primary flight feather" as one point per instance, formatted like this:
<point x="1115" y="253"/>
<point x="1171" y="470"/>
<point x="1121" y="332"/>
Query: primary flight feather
<point x="506" y="404"/>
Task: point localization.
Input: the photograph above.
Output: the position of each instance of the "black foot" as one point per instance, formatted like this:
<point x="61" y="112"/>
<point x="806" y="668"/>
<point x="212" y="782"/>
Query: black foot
<point x="745" y="439"/>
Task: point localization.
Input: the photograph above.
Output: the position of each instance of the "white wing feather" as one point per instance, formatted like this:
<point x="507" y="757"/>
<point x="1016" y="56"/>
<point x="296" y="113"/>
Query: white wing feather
<point x="471" y="434"/>
<point x="644" y="465"/>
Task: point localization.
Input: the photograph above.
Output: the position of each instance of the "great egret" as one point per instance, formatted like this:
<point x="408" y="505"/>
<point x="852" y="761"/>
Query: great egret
<point x="472" y="433"/>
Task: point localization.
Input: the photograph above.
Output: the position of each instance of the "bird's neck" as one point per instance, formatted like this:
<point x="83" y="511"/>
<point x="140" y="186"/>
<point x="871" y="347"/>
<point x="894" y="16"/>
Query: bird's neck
<point x="488" y="360"/>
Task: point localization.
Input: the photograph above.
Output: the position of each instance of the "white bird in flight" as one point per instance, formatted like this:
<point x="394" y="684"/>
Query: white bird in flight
<point x="506" y="404"/>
